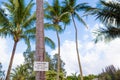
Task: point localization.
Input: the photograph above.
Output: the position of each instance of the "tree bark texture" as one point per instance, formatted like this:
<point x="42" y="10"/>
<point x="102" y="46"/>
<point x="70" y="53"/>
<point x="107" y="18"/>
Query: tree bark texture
<point x="40" y="47"/>
<point x="76" y="40"/>
<point x="11" y="61"/>
<point x="58" y="66"/>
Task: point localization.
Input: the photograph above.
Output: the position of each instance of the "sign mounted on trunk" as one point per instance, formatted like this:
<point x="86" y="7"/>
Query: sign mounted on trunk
<point x="41" y="66"/>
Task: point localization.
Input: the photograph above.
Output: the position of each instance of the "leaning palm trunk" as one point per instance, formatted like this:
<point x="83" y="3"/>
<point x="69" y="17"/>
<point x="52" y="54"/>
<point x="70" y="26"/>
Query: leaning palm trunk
<point x="80" y="66"/>
<point x="11" y="61"/>
<point x="58" y="66"/>
<point x="40" y="48"/>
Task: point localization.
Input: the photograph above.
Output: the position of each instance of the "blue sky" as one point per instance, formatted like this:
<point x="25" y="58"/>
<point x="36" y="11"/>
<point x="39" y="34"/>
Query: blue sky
<point x="94" y="57"/>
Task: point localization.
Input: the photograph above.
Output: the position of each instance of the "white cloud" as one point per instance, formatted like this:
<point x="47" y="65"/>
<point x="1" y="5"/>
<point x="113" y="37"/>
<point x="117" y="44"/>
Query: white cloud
<point x="94" y="57"/>
<point x="104" y="55"/>
<point x="3" y="48"/>
<point x="69" y="32"/>
<point x="86" y="37"/>
<point x="18" y="59"/>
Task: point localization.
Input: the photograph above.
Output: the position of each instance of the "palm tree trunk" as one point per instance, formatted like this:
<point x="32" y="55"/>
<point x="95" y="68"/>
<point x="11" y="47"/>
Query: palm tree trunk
<point x="80" y="66"/>
<point x="58" y="66"/>
<point x="40" y="48"/>
<point x="11" y="61"/>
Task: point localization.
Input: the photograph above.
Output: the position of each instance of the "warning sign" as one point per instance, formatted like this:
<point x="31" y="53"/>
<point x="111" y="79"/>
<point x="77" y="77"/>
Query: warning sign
<point x="40" y="66"/>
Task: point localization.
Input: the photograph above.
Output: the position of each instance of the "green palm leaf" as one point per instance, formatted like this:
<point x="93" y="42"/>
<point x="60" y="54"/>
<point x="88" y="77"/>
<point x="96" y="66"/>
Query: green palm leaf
<point x="49" y="42"/>
<point x="3" y="18"/>
<point x="80" y="19"/>
<point x="107" y="34"/>
<point x="108" y="14"/>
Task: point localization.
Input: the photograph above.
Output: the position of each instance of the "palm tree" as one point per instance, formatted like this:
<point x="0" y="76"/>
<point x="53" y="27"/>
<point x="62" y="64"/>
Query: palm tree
<point x="40" y="48"/>
<point x="108" y="14"/>
<point x="55" y="14"/>
<point x="16" y="24"/>
<point x="73" y="8"/>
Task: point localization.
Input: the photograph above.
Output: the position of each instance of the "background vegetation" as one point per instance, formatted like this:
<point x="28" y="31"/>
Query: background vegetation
<point x="19" y="24"/>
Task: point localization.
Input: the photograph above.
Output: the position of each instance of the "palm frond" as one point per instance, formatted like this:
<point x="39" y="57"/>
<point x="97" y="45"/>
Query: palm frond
<point x="4" y="32"/>
<point x="47" y="16"/>
<point x="48" y="26"/>
<point x="49" y="10"/>
<point x="3" y="18"/>
<point x="18" y="10"/>
<point x="64" y="14"/>
<point x="109" y="13"/>
<point x="66" y="5"/>
<point x="82" y="7"/>
<point x="72" y="2"/>
<point x="56" y="6"/>
<point x="9" y="6"/>
<point x="80" y="19"/>
<point x="27" y="41"/>
<point x="29" y="32"/>
<point x="32" y="37"/>
<point x="29" y="21"/>
<point x="107" y="34"/>
<point x="54" y="27"/>
<point x="49" y="42"/>
<point x="106" y="12"/>
<point x="91" y="11"/>
<point x="27" y="10"/>
<point x="58" y="28"/>
<point x="65" y="17"/>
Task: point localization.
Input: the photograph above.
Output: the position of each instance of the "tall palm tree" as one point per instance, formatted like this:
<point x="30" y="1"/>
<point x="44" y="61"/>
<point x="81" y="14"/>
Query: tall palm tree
<point x="108" y="14"/>
<point x="56" y="15"/>
<point x="40" y="48"/>
<point x="73" y="8"/>
<point x="16" y="24"/>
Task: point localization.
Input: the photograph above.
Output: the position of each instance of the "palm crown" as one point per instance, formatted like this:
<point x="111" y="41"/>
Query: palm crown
<point x="108" y="13"/>
<point x="19" y="21"/>
<point x="73" y="8"/>
<point x="55" y="14"/>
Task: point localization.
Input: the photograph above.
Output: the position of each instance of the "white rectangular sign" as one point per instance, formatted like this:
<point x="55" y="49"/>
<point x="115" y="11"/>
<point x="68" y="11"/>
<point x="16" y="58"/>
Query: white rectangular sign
<point x="40" y="66"/>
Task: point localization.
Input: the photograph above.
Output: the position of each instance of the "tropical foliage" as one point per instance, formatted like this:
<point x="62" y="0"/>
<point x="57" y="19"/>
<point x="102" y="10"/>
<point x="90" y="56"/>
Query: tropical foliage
<point x="108" y="14"/>
<point x="110" y="73"/>
<point x="77" y="77"/>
